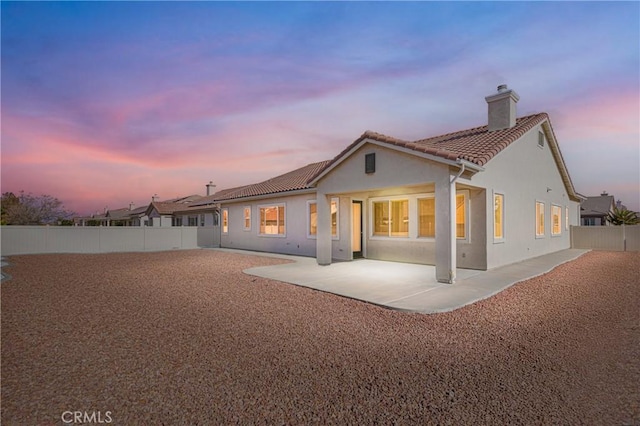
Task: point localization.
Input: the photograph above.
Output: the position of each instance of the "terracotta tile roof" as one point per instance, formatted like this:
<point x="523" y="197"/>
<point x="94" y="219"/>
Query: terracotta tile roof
<point x="477" y="145"/>
<point x="292" y="181"/>
<point x="212" y="199"/>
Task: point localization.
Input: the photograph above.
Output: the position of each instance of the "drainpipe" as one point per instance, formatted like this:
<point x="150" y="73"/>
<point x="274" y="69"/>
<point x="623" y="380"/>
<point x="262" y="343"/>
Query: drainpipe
<point x="462" y="169"/>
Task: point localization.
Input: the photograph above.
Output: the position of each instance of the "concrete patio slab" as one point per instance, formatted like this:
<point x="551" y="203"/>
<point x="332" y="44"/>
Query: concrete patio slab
<point x="404" y="286"/>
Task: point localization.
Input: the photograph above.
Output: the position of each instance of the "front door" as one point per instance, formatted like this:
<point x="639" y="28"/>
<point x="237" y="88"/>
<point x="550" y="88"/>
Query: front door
<point x="356" y="229"/>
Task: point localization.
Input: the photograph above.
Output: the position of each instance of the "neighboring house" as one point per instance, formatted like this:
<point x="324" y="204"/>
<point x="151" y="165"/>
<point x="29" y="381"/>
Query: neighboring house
<point x="137" y="216"/>
<point x="594" y="210"/>
<point x="118" y="217"/>
<point x="199" y="212"/>
<point x="477" y="198"/>
<point x="161" y="213"/>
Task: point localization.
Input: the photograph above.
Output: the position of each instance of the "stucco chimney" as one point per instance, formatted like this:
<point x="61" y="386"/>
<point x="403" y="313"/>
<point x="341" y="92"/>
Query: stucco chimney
<point x="502" y="108"/>
<point x="210" y="187"/>
<point x="154" y="198"/>
<point x="132" y="206"/>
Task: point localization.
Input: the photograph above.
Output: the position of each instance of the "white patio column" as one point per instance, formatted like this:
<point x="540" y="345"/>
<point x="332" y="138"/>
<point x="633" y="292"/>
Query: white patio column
<point x="323" y="235"/>
<point x="446" y="229"/>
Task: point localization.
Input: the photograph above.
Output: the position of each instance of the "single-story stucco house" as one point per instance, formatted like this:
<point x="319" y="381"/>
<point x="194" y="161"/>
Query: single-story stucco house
<point x="476" y="198"/>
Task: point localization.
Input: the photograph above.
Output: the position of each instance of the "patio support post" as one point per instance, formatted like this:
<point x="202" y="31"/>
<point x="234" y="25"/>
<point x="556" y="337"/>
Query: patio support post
<point x="446" y="229"/>
<point x="323" y="236"/>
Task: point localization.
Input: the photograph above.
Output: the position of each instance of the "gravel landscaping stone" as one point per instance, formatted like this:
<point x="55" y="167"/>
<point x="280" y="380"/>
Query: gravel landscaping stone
<point x="185" y="337"/>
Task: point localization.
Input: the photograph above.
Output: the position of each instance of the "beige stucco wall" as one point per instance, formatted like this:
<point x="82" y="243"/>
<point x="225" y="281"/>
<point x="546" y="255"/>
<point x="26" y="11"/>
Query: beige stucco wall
<point x="400" y="174"/>
<point x="296" y="240"/>
<point x="523" y="172"/>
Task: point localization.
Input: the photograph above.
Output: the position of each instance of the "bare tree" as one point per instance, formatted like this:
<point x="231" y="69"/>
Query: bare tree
<point x="27" y="209"/>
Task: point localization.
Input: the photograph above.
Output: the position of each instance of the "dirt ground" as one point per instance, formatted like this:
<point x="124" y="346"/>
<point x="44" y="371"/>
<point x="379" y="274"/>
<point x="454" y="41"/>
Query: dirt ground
<point x="185" y="337"/>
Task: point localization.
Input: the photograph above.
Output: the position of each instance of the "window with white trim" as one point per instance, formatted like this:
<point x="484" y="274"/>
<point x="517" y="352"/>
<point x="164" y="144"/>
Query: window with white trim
<point x="272" y="220"/>
<point x="556" y="220"/>
<point x="312" y="215"/>
<point x="202" y="219"/>
<point x="541" y="139"/>
<point x="427" y="217"/>
<point x="391" y="218"/>
<point x="246" y="212"/>
<point x="539" y="219"/>
<point x="225" y="221"/>
<point x="192" y="221"/>
<point x="461" y="215"/>
<point x="498" y="216"/>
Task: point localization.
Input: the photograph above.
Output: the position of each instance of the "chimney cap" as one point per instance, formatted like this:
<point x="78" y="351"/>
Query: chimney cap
<point x="502" y="88"/>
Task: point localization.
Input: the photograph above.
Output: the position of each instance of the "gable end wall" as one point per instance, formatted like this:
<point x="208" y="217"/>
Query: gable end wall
<point x="525" y="173"/>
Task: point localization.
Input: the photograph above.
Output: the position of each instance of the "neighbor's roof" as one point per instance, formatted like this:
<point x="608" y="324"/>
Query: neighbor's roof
<point x="169" y="207"/>
<point x="597" y="206"/>
<point x="291" y="181"/>
<point x="117" y="214"/>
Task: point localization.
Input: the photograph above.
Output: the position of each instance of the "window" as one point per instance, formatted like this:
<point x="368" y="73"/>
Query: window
<point x="225" y="221"/>
<point x="370" y="163"/>
<point x="391" y="218"/>
<point x="427" y="217"/>
<point x="498" y="216"/>
<point x="556" y="227"/>
<point x="247" y="218"/>
<point x="192" y="220"/>
<point x="539" y="219"/>
<point x="202" y="220"/>
<point x="461" y="216"/>
<point x="313" y="218"/>
<point x="272" y="220"/>
<point x="176" y="221"/>
<point x="216" y="218"/>
<point x="541" y="139"/>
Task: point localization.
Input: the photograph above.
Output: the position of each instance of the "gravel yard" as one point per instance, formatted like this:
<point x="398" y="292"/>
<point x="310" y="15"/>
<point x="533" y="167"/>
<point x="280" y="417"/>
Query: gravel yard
<point x="186" y="338"/>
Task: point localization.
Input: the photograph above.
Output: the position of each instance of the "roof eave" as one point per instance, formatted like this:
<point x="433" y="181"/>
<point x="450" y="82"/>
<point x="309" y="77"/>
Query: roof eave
<point x="557" y="155"/>
<point x="395" y="147"/>
<point x="267" y="196"/>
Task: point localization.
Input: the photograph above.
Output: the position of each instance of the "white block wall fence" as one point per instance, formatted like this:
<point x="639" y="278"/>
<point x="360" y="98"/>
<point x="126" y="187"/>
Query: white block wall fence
<point x="62" y="239"/>
<point x="613" y="238"/>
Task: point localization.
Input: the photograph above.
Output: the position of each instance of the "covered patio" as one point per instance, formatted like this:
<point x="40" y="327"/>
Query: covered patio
<point x="404" y="286"/>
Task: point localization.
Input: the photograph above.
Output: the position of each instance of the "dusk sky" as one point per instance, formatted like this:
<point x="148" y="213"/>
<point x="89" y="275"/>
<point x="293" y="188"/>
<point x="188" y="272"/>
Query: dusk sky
<point x="107" y="103"/>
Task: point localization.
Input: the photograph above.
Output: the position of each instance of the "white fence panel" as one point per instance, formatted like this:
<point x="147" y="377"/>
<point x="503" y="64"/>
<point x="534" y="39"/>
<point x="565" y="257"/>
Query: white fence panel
<point x="208" y="236"/>
<point x="61" y="240"/>
<point x="114" y="239"/>
<point x="53" y="239"/>
<point x="632" y="236"/>
<point x="613" y="238"/>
